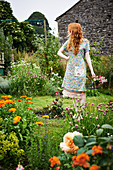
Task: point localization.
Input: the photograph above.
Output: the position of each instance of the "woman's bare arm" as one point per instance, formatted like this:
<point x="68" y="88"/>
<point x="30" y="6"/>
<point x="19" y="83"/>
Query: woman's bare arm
<point x="88" y="59"/>
<point x="60" y="53"/>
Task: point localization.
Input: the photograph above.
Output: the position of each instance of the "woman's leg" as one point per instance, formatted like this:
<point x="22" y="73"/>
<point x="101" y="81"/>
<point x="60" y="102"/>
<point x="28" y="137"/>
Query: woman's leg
<point x="83" y="99"/>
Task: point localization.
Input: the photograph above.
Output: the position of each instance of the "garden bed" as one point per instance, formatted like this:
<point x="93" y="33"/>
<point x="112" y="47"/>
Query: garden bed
<point x="22" y="123"/>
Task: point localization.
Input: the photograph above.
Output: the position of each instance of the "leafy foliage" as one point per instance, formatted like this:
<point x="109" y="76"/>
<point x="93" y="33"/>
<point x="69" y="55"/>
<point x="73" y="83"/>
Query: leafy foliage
<point x="5" y="47"/>
<point x="47" y="54"/>
<point x="25" y="79"/>
<point x="4" y="85"/>
<point x="38" y="25"/>
<point x="9" y="149"/>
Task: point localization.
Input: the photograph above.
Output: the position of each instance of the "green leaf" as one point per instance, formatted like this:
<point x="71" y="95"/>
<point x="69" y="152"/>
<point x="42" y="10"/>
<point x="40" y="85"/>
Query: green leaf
<point x="89" y="152"/>
<point x="3" y="131"/>
<point x="99" y="132"/>
<point x="79" y="168"/>
<point x="90" y="143"/>
<point x="1" y="157"/>
<point x="24" y="124"/>
<point x="81" y="150"/>
<point x="107" y="126"/>
<point x="91" y="140"/>
<point x="78" y="141"/>
<point x="21" y="136"/>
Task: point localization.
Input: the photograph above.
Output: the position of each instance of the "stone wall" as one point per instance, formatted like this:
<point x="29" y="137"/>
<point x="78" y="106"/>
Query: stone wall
<point x="96" y="19"/>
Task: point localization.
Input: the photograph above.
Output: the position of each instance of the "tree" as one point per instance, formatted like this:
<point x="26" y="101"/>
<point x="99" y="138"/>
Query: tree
<point x="6" y="47"/>
<point x="37" y="20"/>
<point x="22" y="33"/>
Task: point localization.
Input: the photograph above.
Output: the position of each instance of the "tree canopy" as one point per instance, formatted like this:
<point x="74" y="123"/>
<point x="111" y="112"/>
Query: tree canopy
<point x="37" y="20"/>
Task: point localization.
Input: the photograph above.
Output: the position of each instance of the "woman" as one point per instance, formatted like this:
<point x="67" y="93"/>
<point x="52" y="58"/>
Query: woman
<point x="75" y="75"/>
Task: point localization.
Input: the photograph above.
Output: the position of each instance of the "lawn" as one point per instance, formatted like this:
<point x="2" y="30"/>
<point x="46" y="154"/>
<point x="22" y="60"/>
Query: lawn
<point x="39" y="102"/>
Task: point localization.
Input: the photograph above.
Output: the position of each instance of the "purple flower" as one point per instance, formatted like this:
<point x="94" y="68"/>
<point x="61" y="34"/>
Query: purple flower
<point x="91" y="113"/>
<point x="78" y="120"/>
<point x="71" y="113"/>
<point x="76" y="125"/>
<point x="90" y="117"/>
<point x="92" y="104"/>
<point x="81" y="118"/>
<point x="104" y="114"/>
<point x="62" y="113"/>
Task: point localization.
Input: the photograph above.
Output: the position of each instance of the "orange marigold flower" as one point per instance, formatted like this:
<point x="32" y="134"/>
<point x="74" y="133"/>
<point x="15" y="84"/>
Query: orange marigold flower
<point x="94" y="167"/>
<point x="19" y="100"/>
<point x="29" y="107"/>
<point x="28" y="98"/>
<point x="2" y="103"/>
<point x="81" y="160"/>
<point x="45" y="116"/>
<point x="57" y="168"/>
<point x="97" y="149"/>
<point x="7" y="115"/>
<point x="54" y="160"/>
<point x="16" y="119"/>
<point x="6" y="97"/>
<point x="12" y="110"/>
<point x="39" y="123"/>
<point x="30" y="102"/>
<point x="9" y="101"/>
<point x="22" y="97"/>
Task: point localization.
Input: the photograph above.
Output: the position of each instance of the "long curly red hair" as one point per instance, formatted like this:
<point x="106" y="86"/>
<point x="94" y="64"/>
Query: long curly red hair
<point x="75" y="37"/>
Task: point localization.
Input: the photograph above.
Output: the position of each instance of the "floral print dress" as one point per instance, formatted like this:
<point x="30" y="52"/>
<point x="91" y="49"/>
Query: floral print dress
<point x="75" y="75"/>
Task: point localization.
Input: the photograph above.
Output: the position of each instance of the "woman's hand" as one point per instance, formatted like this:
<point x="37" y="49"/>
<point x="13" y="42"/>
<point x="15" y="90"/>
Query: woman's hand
<point x="67" y="58"/>
<point x="94" y="77"/>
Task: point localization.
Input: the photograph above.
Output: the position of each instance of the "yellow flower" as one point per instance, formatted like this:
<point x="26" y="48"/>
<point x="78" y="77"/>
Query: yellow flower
<point x="45" y="116"/>
<point x="22" y="97"/>
<point x="12" y="110"/>
<point x="16" y="119"/>
<point x="28" y="98"/>
<point x="67" y="145"/>
<point x="9" y="101"/>
<point x="39" y="123"/>
<point x="2" y="103"/>
<point x="6" y="97"/>
<point x="30" y="102"/>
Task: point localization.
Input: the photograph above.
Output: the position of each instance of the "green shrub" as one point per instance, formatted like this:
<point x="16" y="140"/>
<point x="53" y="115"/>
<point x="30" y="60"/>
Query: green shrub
<point x="47" y="54"/>
<point x="10" y="153"/>
<point x="55" y="108"/>
<point x="4" y="85"/>
<point x="25" y="79"/>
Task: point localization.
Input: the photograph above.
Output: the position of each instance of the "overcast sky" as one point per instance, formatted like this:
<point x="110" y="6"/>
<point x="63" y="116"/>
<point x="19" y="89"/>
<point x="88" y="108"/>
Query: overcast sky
<point x="22" y="9"/>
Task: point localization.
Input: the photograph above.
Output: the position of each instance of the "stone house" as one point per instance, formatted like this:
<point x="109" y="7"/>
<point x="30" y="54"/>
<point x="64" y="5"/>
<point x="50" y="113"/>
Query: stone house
<point x="96" y="19"/>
